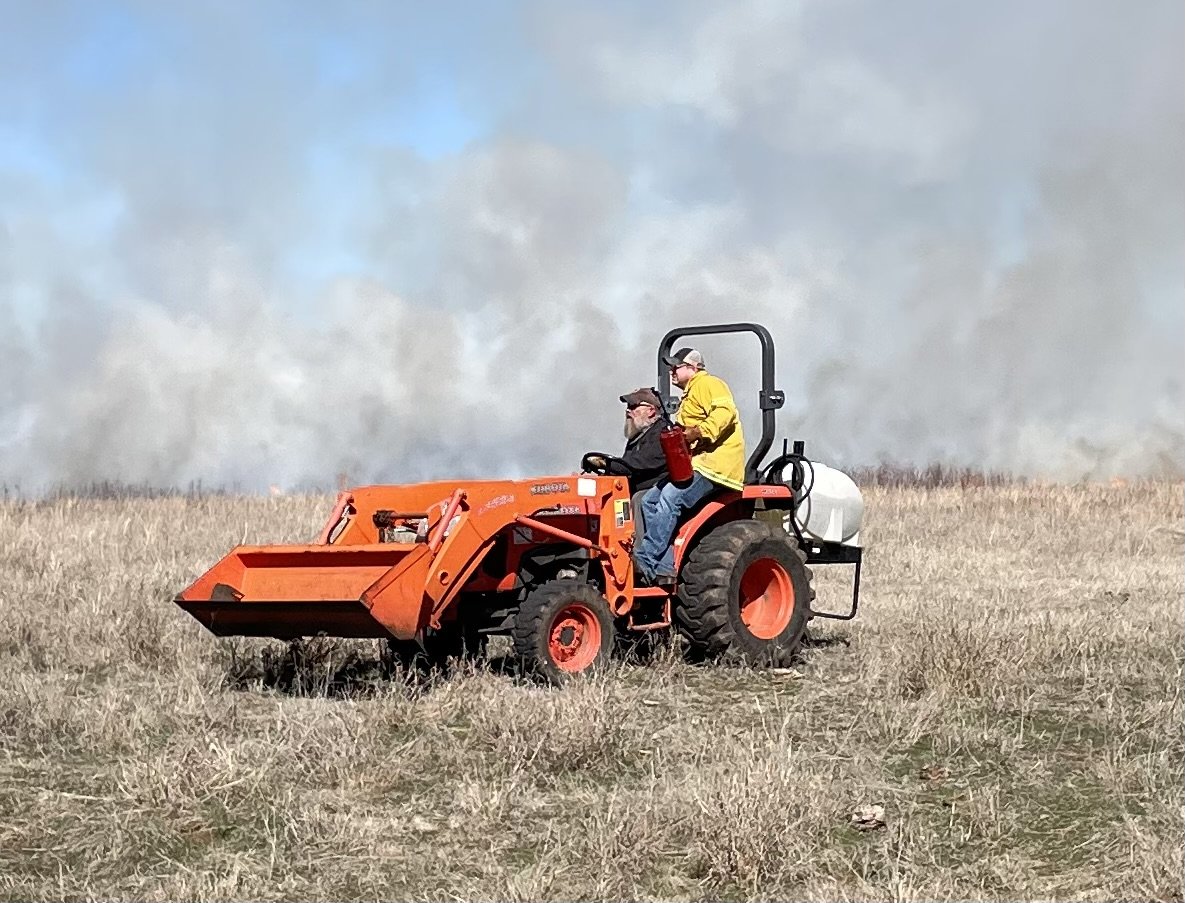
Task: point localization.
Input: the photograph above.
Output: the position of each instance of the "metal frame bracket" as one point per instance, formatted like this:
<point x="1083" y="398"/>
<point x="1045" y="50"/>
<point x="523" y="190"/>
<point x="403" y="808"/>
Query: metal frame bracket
<point x="834" y="553"/>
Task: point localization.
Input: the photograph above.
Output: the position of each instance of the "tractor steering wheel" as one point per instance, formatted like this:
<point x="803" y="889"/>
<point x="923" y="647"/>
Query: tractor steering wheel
<point x="601" y="468"/>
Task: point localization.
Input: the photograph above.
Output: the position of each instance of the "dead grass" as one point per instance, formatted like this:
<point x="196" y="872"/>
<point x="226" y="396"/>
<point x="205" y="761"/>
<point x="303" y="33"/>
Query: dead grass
<point x="1011" y="695"/>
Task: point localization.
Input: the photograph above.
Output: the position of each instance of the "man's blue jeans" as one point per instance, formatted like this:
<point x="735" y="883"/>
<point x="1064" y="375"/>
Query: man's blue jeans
<point x="661" y="507"/>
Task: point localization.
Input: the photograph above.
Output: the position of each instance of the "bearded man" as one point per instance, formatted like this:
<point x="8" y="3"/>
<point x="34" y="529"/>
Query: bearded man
<point x="642" y="461"/>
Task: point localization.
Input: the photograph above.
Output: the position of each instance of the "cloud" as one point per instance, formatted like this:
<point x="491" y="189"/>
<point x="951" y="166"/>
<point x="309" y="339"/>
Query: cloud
<point x="222" y="260"/>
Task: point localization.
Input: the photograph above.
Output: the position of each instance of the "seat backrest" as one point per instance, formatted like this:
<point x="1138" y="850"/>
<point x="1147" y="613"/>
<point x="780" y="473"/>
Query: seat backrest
<point x="636" y="510"/>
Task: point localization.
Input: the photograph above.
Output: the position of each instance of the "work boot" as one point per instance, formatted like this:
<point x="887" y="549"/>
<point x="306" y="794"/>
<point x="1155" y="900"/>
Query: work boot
<point x="641" y="575"/>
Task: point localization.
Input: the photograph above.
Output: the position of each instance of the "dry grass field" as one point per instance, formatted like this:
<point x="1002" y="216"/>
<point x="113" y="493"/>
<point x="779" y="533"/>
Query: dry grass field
<point x="1011" y="695"/>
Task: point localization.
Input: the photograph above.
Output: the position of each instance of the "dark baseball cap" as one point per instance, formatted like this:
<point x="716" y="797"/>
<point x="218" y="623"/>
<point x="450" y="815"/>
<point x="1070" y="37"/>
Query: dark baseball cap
<point x="642" y="396"/>
<point x="684" y="356"/>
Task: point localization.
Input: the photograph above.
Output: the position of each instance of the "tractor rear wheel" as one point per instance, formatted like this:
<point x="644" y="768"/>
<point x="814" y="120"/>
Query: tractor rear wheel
<point x="745" y="593"/>
<point x="563" y="628"/>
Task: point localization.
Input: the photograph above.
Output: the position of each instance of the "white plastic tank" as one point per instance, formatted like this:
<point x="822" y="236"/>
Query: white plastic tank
<point x="833" y="509"/>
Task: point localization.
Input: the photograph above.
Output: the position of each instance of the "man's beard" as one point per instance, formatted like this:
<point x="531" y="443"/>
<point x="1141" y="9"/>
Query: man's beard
<point x="632" y="427"/>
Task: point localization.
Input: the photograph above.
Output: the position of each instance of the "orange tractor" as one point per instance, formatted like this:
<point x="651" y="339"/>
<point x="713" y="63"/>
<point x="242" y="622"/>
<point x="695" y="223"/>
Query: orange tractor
<point x="436" y="568"/>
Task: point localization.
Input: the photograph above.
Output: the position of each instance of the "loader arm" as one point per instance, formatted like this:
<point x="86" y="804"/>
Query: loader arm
<point x="405" y="599"/>
<point x="352" y="584"/>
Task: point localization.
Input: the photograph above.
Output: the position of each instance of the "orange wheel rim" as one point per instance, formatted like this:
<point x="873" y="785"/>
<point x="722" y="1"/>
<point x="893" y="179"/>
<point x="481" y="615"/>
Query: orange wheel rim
<point x="574" y="640"/>
<point x="767" y="598"/>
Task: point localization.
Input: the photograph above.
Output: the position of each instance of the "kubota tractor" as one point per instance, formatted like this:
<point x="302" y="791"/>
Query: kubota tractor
<point x="436" y="568"/>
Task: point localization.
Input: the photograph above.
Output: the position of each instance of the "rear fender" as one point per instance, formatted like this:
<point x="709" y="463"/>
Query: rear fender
<point x="719" y="510"/>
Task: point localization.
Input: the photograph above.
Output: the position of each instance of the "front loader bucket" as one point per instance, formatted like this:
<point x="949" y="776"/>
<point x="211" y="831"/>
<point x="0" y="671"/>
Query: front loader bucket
<point x="291" y="591"/>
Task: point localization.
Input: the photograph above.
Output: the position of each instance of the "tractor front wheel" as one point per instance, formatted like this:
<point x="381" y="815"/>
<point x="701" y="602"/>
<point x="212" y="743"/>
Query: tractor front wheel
<point x="745" y="593"/>
<point x="563" y="628"/>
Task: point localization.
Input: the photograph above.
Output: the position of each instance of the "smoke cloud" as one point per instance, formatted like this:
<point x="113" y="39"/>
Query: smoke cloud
<point x="269" y="244"/>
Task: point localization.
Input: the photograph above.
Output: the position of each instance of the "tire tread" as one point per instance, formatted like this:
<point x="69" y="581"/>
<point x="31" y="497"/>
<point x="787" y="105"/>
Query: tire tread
<point x="702" y="611"/>
<point x="527" y="632"/>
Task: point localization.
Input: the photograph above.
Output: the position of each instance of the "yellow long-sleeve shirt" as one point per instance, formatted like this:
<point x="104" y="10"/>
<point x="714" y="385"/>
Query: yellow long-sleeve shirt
<point x="708" y="403"/>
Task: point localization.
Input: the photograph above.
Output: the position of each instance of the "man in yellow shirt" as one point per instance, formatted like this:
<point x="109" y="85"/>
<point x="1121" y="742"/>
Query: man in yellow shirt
<point x="709" y="417"/>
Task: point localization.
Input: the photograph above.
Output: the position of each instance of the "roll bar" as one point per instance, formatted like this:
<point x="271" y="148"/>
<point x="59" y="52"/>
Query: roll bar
<point x="771" y="399"/>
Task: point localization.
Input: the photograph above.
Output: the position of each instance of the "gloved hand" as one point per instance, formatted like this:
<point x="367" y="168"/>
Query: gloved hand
<point x="693" y="434"/>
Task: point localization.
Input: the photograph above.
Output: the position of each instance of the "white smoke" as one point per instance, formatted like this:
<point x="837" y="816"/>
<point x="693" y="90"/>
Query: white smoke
<point x="963" y="227"/>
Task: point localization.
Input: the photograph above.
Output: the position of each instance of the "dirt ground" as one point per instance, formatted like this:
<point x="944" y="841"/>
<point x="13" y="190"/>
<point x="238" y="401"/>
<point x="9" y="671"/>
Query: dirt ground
<point x="1011" y="695"/>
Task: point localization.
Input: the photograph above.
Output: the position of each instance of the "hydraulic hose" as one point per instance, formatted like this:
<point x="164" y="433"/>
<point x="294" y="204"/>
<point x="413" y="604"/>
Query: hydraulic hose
<point x="772" y="473"/>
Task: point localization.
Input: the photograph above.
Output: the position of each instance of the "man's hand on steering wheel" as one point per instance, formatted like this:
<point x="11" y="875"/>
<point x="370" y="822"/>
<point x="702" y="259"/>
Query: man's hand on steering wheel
<point x="598" y="463"/>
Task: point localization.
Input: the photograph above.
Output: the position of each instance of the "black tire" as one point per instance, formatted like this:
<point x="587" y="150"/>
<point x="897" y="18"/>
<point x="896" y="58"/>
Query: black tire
<point x="708" y="605"/>
<point x="587" y="632"/>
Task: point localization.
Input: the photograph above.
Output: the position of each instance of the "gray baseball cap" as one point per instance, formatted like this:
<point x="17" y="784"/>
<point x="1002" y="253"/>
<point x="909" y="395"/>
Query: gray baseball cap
<point x="684" y="356"/>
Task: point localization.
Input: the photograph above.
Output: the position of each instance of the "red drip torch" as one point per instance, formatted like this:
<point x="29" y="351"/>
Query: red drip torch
<point x="675" y="449"/>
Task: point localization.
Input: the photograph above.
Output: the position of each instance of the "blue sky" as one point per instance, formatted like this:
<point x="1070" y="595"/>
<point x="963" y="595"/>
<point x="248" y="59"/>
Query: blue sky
<point x="87" y="61"/>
